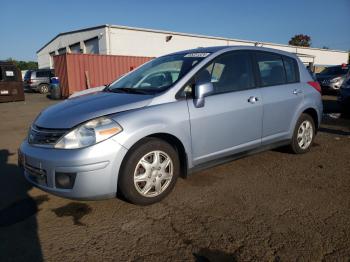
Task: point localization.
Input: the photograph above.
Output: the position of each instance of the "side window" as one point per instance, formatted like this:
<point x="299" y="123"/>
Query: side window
<point x="229" y="72"/>
<point x="271" y="69"/>
<point x="291" y="67"/>
<point x="42" y="74"/>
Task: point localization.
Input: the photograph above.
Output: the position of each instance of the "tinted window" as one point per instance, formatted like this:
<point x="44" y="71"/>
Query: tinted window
<point x="271" y="69"/>
<point x="43" y="74"/>
<point x="291" y="68"/>
<point x="229" y="72"/>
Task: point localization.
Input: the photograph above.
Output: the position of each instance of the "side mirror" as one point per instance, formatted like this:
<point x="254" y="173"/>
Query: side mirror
<point x="201" y="91"/>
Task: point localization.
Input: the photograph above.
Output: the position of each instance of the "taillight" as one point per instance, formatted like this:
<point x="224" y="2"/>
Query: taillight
<point x="315" y="85"/>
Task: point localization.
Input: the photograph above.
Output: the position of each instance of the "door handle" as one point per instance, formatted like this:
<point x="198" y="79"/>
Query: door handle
<point x="253" y="99"/>
<point x="297" y="91"/>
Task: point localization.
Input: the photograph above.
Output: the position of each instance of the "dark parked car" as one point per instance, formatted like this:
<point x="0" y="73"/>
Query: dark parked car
<point x="11" y="85"/>
<point x="38" y="80"/>
<point x="344" y="97"/>
<point x="331" y="78"/>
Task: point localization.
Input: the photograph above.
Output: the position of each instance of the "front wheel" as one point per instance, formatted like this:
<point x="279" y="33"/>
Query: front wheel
<point x="303" y="135"/>
<point x="149" y="172"/>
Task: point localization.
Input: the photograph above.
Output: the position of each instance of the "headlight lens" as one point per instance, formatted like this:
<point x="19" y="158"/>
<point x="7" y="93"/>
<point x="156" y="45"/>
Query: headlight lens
<point x="89" y="133"/>
<point x="334" y="80"/>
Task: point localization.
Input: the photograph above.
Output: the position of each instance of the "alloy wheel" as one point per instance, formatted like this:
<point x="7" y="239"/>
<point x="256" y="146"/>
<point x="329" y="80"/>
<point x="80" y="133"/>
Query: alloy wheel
<point x="153" y="173"/>
<point x="305" y="134"/>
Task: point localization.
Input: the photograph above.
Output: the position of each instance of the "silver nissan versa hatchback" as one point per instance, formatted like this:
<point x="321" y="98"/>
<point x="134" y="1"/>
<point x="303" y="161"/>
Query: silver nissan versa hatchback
<point x="175" y="114"/>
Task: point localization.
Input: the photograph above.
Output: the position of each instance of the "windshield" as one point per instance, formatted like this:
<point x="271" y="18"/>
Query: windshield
<point x="334" y="70"/>
<point x="157" y="75"/>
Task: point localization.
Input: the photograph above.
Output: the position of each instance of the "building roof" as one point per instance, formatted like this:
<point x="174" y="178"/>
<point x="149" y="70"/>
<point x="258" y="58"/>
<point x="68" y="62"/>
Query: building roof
<point x="182" y="34"/>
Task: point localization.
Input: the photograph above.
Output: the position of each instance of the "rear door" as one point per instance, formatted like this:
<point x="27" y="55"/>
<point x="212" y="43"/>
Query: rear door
<point x="231" y="119"/>
<point x="281" y="93"/>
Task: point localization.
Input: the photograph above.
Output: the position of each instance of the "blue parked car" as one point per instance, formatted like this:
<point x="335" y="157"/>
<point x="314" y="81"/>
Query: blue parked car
<point x="137" y="138"/>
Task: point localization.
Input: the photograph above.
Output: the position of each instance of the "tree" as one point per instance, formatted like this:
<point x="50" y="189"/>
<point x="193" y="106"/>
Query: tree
<point x="24" y="65"/>
<point x="300" y="40"/>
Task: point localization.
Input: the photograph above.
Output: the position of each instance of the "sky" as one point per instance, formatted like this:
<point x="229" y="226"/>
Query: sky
<point x="25" y="26"/>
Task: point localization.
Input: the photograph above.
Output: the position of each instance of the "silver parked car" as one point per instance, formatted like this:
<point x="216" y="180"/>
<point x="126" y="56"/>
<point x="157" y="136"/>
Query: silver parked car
<point x="38" y="80"/>
<point x="137" y="138"/>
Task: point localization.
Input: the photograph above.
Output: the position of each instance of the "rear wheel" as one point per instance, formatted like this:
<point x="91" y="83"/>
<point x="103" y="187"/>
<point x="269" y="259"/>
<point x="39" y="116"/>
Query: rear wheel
<point x="149" y="172"/>
<point x="44" y="89"/>
<point x="304" y="134"/>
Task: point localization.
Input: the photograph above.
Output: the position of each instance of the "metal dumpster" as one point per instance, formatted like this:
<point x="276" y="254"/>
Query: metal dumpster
<point x="11" y="85"/>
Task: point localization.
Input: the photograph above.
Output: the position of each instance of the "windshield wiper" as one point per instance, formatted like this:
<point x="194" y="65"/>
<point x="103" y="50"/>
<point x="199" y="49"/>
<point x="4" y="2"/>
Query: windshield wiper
<point x="128" y="90"/>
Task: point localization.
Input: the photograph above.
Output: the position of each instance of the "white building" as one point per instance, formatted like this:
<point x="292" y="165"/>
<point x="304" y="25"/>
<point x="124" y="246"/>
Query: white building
<point x="129" y="41"/>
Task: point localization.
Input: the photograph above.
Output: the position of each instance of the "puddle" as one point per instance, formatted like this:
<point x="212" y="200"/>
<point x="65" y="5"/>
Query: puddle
<point x="75" y="210"/>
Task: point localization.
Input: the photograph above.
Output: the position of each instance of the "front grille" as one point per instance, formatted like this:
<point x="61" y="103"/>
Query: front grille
<point x="45" y="136"/>
<point x="36" y="175"/>
<point x="325" y="82"/>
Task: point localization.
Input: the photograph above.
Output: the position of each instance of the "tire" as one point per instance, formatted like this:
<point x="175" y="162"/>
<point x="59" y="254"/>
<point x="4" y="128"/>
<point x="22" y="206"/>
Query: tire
<point x="148" y="182"/>
<point x="301" y="141"/>
<point x="44" y="89"/>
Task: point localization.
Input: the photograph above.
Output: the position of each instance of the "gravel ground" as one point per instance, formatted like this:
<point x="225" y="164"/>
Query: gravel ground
<point x="272" y="206"/>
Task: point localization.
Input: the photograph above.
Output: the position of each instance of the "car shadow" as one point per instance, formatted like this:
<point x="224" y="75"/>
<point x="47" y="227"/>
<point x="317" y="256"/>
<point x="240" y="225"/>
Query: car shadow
<point x="334" y="131"/>
<point x="19" y="239"/>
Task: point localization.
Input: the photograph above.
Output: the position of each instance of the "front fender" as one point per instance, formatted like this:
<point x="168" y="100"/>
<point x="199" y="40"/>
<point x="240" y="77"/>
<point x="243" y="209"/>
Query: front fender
<point x="170" y="118"/>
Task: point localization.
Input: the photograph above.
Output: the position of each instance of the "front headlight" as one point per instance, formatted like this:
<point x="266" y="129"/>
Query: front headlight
<point x="334" y="80"/>
<point x="89" y="133"/>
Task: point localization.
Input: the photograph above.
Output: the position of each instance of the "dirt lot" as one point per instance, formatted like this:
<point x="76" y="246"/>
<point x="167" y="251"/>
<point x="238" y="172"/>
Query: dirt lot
<point x="272" y="206"/>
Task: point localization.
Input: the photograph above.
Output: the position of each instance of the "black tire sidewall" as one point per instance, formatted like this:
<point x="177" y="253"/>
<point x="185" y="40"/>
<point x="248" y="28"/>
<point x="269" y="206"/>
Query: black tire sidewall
<point x="294" y="145"/>
<point x="126" y="175"/>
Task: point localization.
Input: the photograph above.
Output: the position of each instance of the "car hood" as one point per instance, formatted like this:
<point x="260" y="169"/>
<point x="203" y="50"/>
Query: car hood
<point x="74" y="111"/>
<point x="326" y="77"/>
